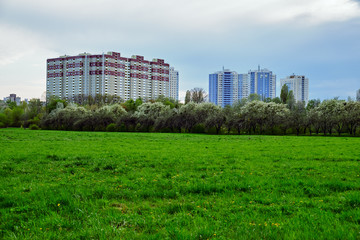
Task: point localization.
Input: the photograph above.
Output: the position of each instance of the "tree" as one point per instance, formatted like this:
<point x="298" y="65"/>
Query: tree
<point x="131" y="105"/>
<point x="170" y="120"/>
<point x="254" y="97"/>
<point x="198" y="95"/>
<point x="11" y="104"/>
<point x="4" y="120"/>
<point x="148" y="113"/>
<point x="52" y="103"/>
<point x="313" y="103"/>
<point x="209" y="115"/>
<point x="290" y="100"/>
<point x="340" y="116"/>
<point x="64" y="118"/>
<point x="298" y="117"/>
<point x="129" y="120"/>
<point x="254" y="115"/>
<point x="327" y="115"/>
<point x="166" y="101"/>
<point x="314" y="119"/>
<point x="284" y="93"/>
<point x="352" y="116"/>
<point x="203" y="110"/>
<point x="188" y="116"/>
<point x="187" y="97"/>
<point x="216" y="119"/>
<point x="34" y="108"/>
<point x="234" y="116"/>
<point x="276" y="100"/>
<point x="275" y="115"/>
<point x="3" y="105"/>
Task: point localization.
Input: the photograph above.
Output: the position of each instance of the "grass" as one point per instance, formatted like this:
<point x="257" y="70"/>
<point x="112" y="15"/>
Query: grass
<point x="96" y="185"/>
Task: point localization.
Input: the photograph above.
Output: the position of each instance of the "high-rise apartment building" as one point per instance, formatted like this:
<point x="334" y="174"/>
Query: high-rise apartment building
<point x="263" y="83"/>
<point x="107" y="74"/>
<point x="244" y="86"/>
<point x="299" y="84"/>
<point x="173" y="84"/>
<point x="226" y="87"/>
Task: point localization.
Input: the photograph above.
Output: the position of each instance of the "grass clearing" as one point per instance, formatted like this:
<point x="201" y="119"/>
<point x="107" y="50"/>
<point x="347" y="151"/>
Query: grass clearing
<point x="84" y="185"/>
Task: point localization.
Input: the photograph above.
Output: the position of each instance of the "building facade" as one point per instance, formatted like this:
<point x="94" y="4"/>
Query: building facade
<point x="13" y="98"/>
<point x="227" y="87"/>
<point x="107" y="74"/>
<point x="263" y="83"/>
<point x="244" y="86"/>
<point x="173" y="84"/>
<point x="299" y="84"/>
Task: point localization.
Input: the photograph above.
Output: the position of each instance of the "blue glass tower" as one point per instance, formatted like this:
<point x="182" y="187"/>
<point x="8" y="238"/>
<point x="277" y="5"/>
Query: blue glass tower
<point x="224" y="87"/>
<point x="263" y="83"/>
<point x="228" y="88"/>
<point x="213" y="88"/>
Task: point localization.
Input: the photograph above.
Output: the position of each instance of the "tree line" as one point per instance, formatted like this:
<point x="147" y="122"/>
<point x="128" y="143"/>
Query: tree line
<point x="247" y="116"/>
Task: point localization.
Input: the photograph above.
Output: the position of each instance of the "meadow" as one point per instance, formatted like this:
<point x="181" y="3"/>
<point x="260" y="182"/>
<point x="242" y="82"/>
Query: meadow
<point x="99" y="185"/>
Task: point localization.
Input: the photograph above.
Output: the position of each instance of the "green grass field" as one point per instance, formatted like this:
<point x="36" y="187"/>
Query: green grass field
<point x="96" y="185"/>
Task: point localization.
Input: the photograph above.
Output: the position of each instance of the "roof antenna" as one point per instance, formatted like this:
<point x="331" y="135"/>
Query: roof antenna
<point x="223" y="69"/>
<point x="259" y="67"/>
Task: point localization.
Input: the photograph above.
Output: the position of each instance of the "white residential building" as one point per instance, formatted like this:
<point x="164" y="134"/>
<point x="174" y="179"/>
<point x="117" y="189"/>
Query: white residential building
<point x="244" y="86"/>
<point x="227" y="87"/>
<point x="173" y="83"/>
<point x="299" y="84"/>
<point x="107" y="74"/>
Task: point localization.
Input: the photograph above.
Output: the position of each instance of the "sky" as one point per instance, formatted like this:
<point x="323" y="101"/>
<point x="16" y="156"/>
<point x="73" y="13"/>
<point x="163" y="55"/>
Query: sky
<point x="316" y="38"/>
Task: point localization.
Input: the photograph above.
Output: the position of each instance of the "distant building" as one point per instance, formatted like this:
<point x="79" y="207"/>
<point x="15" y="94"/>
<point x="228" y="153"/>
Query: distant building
<point x="299" y="84"/>
<point x="226" y="87"/>
<point x="244" y="86"/>
<point x="263" y="83"/>
<point x="358" y="95"/>
<point x="107" y="74"/>
<point x="13" y="98"/>
<point x="173" y="84"/>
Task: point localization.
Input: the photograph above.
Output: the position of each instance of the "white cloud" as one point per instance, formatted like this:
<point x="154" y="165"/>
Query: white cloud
<point x="200" y="35"/>
<point x="17" y="43"/>
<point x="13" y="45"/>
<point x="22" y="62"/>
<point x="188" y="15"/>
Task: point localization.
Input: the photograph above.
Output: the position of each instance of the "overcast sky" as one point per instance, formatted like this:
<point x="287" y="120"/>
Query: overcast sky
<point x="316" y="38"/>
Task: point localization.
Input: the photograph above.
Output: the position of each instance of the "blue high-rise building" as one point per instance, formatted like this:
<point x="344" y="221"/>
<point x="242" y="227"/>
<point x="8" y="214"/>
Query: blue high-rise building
<point x="213" y="88"/>
<point x="226" y="87"/>
<point x="263" y="83"/>
<point x="244" y="85"/>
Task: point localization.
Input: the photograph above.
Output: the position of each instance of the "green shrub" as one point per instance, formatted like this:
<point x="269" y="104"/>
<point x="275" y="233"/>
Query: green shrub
<point x="99" y="129"/>
<point x="198" y="128"/>
<point x="111" y="127"/>
<point x="212" y="130"/>
<point x="122" y="128"/>
<point x="34" y="127"/>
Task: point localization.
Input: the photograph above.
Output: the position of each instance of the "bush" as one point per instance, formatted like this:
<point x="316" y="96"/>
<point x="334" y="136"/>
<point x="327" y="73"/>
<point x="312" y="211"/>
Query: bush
<point x="111" y="127"/>
<point x="212" y="130"/>
<point x="198" y="128"/>
<point x="122" y="128"/>
<point x="34" y="127"/>
<point x="99" y="129"/>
